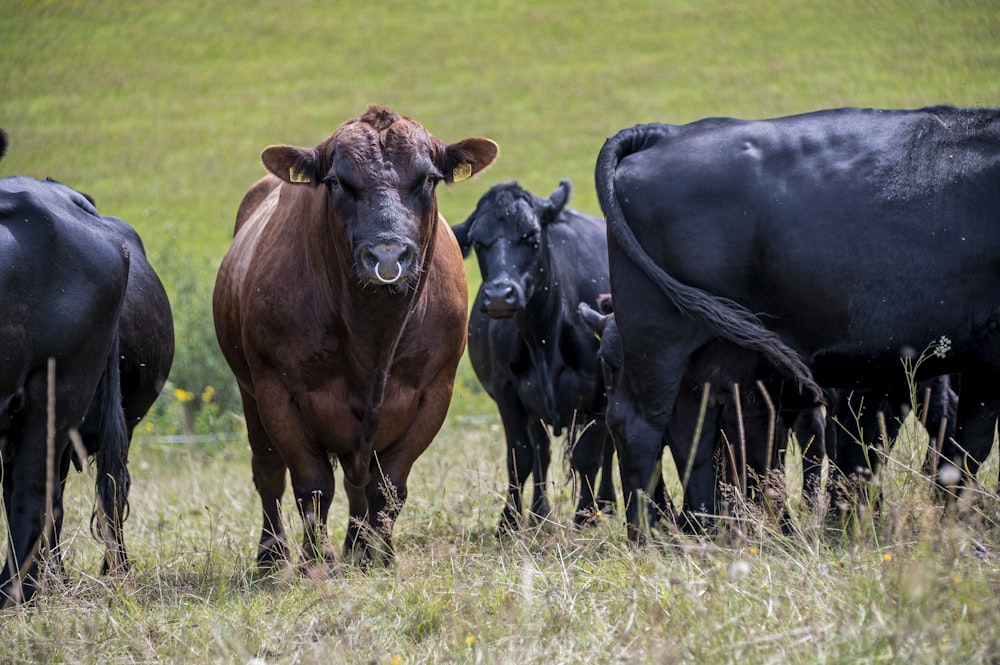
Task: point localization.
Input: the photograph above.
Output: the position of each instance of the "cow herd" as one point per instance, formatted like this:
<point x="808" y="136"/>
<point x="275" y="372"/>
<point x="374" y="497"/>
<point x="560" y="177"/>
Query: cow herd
<point x="748" y="278"/>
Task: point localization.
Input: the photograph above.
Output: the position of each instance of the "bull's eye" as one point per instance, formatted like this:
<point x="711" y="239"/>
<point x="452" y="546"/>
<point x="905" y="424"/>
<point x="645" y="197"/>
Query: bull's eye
<point x="427" y="184"/>
<point x="340" y="186"/>
<point x="531" y="240"/>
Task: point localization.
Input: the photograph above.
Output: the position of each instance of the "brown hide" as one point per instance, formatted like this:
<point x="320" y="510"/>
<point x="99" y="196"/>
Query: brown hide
<point x="338" y="353"/>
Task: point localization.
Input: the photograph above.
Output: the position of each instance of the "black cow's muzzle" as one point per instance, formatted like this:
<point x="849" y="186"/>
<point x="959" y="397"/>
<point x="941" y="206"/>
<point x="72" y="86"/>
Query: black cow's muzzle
<point x="502" y="299"/>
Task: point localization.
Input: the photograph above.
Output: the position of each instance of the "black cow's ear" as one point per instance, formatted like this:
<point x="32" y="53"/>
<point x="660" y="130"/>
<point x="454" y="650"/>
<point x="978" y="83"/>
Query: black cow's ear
<point x="557" y="201"/>
<point x="297" y="166"/>
<point x="461" y="232"/>
<point x="466" y="158"/>
<point x="596" y="321"/>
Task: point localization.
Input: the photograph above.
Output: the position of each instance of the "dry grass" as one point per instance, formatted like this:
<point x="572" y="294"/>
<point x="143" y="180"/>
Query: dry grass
<point x="901" y="586"/>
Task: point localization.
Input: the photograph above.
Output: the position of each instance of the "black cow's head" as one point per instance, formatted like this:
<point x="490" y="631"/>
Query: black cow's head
<point x="507" y="230"/>
<point x="601" y="322"/>
<point x="381" y="171"/>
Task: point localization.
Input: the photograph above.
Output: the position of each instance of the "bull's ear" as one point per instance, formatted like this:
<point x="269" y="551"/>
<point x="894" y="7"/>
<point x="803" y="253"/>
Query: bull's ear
<point x="297" y="166"/>
<point x="461" y="232"/>
<point x="467" y="158"/>
<point x="557" y="201"/>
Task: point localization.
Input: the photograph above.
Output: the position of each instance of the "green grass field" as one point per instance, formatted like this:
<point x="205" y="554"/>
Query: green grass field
<point x="159" y="110"/>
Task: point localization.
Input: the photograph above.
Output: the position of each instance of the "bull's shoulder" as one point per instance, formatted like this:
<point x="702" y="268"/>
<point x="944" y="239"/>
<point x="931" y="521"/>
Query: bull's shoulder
<point x="253" y="198"/>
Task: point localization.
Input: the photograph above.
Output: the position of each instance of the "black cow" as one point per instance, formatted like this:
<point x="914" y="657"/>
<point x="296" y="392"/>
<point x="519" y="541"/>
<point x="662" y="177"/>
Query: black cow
<point x="145" y="352"/>
<point x="760" y="233"/>
<point x="740" y="410"/>
<point x="63" y="276"/>
<point x="145" y="332"/>
<point x="527" y="344"/>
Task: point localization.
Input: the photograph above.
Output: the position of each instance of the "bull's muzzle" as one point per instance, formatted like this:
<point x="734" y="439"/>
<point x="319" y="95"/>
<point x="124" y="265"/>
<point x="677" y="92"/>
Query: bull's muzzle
<point x="388" y="263"/>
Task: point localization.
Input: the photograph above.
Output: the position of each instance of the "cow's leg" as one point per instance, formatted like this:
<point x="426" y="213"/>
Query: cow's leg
<point x="641" y="410"/>
<point x="542" y="445"/>
<point x="53" y="554"/>
<point x="759" y="440"/>
<point x="313" y="485"/>
<point x="269" y="472"/>
<point x="859" y="442"/>
<point x="975" y="432"/>
<point x="520" y="457"/>
<point x="638" y="442"/>
<point x="375" y="507"/>
<point x="810" y="432"/>
<point x="309" y="467"/>
<point x="606" y="496"/>
<point x="356" y="542"/>
<point x="693" y="435"/>
<point x="25" y="487"/>
<point x="587" y="458"/>
<point x="940" y="419"/>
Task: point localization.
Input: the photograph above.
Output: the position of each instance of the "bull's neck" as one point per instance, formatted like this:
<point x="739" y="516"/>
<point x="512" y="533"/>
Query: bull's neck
<point x="376" y="316"/>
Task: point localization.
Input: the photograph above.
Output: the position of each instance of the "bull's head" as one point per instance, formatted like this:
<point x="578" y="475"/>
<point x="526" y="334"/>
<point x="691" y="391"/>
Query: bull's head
<point x="381" y="171"/>
<point x="507" y="230"/>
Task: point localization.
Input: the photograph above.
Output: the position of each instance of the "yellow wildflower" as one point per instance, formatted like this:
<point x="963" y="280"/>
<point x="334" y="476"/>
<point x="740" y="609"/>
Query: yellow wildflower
<point x="183" y="395"/>
<point x="470" y="640"/>
<point x="207" y="394"/>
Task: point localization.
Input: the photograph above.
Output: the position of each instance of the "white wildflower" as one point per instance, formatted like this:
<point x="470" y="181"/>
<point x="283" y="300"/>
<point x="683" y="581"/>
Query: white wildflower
<point x="949" y="475"/>
<point x="942" y="347"/>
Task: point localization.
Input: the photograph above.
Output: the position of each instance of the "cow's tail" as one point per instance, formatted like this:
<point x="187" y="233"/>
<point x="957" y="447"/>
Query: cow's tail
<point x="728" y="319"/>
<point x="3" y="143"/>
<point x="113" y="480"/>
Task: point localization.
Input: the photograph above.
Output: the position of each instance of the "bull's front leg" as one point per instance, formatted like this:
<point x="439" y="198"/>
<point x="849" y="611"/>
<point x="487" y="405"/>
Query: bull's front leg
<point x="269" y="477"/>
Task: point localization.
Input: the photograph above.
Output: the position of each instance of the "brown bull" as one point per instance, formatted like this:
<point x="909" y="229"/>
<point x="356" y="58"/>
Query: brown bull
<point x="341" y="308"/>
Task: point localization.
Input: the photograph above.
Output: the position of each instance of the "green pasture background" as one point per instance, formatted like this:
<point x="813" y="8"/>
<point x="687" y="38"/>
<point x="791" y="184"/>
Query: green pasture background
<point x="159" y="110"/>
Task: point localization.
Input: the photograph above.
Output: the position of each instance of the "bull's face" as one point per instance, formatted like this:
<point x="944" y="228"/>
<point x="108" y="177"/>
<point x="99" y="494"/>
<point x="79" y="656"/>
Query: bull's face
<point x="507" y="231"/>
<point x="381" y="171"/>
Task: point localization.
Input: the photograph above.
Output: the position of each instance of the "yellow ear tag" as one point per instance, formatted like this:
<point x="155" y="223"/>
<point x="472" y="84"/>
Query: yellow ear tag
<point x="297" y="176"/>
<point x="461" y="172"/>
